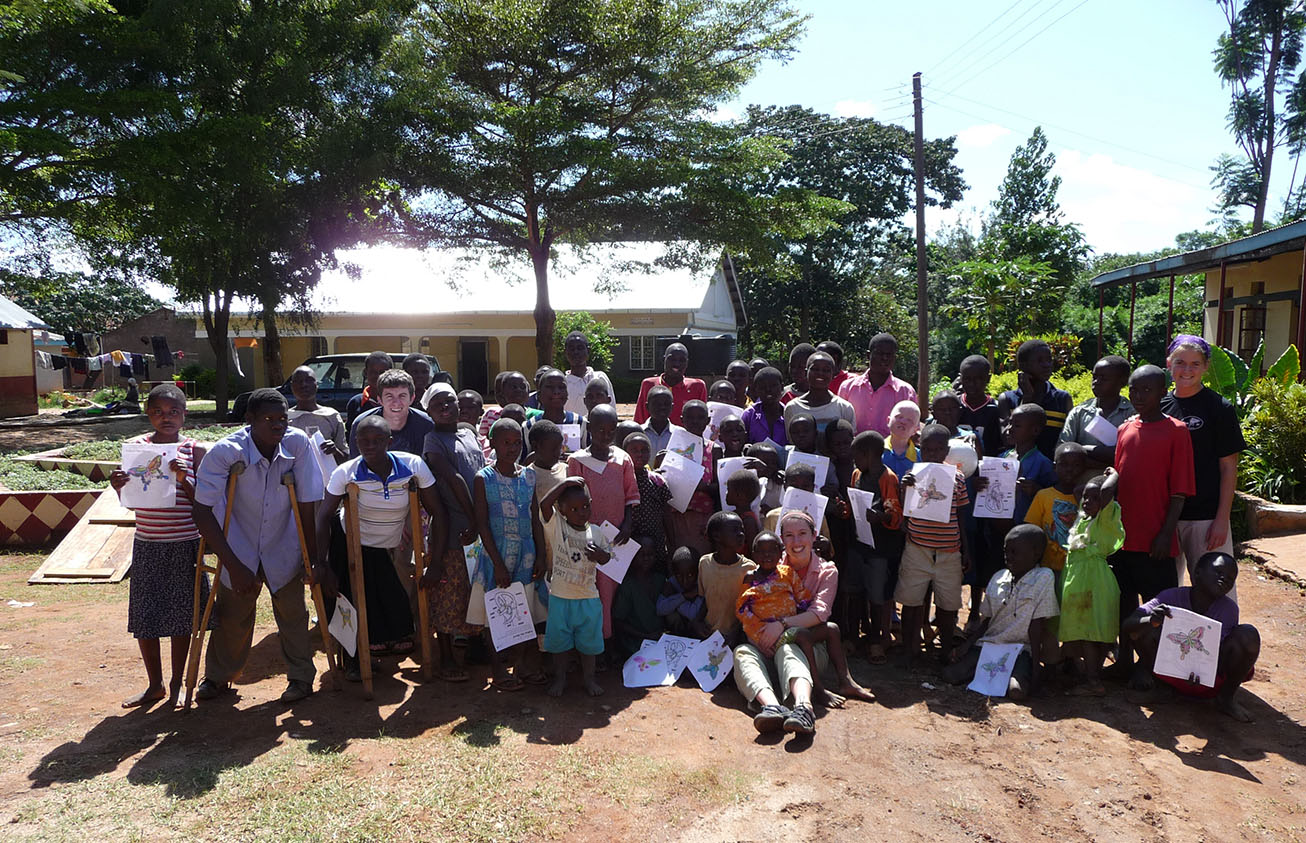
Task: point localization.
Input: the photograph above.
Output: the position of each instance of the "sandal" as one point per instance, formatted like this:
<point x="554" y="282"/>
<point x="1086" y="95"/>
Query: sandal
<point x="801" y="720"/>
<point x="453" y="674"/>
<point x="508" y="683"/>
<point x="404" y="647"/>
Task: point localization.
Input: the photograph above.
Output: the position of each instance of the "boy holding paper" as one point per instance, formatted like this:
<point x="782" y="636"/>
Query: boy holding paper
<point x="876" y="567"/>
<point x="1239" y="645"/>
<point x="936" y="553"/>
<point x="1017" y="604"/>
<point x="1093" y="424"/>
<point x="609" y="474"/>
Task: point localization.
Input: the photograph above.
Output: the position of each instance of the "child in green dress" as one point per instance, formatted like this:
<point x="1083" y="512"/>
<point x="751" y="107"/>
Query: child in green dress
<point x="1090" y="596"/>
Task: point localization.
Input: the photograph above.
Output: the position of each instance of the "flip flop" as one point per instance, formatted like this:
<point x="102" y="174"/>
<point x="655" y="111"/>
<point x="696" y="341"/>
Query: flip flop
<point x="508" y="683"/>
<point x="453" y="675"/>
<point x="402" y="648"/>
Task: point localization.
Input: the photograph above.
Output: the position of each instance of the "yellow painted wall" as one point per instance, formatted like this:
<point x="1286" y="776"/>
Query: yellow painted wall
<point x="445" y="351"/>
<point x="521" y="356"/>
<point x="1282" y="273"/>
<point x="16" y="355"/>
<point x="352" y="345"/>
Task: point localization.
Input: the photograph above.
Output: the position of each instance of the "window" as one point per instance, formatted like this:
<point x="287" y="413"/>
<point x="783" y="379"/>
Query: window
<point x="4" y="336"/>
<point x="1251" y="329"/>
<point x="641" y="354"/>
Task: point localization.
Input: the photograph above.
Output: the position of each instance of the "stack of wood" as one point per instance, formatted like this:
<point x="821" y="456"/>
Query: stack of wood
<point x="98" y="549"/>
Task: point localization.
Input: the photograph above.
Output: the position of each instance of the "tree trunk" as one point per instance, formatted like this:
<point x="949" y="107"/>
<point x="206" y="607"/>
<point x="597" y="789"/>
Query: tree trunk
<point x="271" y="347"/>
<point x="1271" y="129"/>
<point x="544" y="313"/>
<point x="216" y="322"/>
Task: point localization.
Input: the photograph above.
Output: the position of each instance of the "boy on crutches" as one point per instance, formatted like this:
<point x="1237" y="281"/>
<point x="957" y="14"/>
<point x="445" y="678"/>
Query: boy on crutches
<point x="261" y="544"/>
<point x="389" y="583"/>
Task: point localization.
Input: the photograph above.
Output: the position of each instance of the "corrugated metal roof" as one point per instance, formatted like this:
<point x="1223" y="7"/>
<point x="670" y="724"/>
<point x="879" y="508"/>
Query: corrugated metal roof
<point x="1266" y="244"/>
<point x="14" y="317"/>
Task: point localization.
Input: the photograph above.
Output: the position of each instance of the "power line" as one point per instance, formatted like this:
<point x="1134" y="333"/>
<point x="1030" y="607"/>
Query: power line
<point x="1000" y="44"/>
<point x="940" y="64"/>
<point x="1103" y="141"/>
<point x="1022" y="44"/>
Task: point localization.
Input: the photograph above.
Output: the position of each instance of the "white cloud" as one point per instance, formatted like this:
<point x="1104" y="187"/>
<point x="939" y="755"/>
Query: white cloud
<point x="1127" y="209"/>
<point x="854" y="108"/>
<point x="979" y="136"/>
<point x="721" y="114"/>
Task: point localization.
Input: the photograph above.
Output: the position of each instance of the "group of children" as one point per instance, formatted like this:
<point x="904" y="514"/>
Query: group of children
<point x="531" y="491"/>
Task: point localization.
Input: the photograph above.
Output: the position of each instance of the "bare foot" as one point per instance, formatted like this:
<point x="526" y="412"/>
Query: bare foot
<point x="827" y="698"/>
<point x="1234" y="709"/>
<point x="559" y="685"/>
<point x="151" y="694"/>
<point x="592" y="688"/>
<point x="853" y="691"/>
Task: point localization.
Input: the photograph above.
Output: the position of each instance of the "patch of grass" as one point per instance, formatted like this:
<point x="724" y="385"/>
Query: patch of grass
<point x="103" y="450"/>
<point x="12" y="664"/>
<point x="25" y="477"/>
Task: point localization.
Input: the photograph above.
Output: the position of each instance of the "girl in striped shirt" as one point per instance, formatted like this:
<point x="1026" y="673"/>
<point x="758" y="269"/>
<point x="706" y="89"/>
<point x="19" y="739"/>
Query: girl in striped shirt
<point x="162" y="594"/>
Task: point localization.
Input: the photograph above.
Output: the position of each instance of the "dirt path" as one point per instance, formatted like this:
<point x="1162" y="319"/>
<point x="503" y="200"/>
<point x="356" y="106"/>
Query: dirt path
<point x="436" y="761"/>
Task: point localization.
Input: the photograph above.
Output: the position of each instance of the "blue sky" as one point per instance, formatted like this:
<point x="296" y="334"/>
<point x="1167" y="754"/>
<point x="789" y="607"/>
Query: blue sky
<point x="1124" y="89"/>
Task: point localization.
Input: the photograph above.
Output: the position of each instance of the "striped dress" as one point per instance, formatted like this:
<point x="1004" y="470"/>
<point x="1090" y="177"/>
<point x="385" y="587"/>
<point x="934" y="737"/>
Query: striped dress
<point x="162" y="594"/>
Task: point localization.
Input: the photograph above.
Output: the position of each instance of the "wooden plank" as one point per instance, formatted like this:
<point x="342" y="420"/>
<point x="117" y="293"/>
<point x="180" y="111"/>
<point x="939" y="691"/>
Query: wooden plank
<point x="107" y="510"/>
<point x="118" y="545"/>
<point x="89" y="573"/>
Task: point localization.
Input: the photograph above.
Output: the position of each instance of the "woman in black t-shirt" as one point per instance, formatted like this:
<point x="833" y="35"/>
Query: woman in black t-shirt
<point x="1217" y="440"/>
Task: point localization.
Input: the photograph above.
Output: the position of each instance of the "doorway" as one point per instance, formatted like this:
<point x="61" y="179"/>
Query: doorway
<point x="473" y="365"/>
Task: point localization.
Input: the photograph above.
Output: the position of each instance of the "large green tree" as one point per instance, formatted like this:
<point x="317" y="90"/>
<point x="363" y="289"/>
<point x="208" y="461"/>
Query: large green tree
<point x="536" y="123"/>
<point x="819" y="284"/>
<point x="1257" y="59"/>
<point x="238" y="149"/>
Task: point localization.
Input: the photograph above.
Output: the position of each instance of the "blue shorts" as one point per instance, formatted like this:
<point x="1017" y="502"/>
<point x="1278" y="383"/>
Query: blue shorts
<point x="574" y="625"/>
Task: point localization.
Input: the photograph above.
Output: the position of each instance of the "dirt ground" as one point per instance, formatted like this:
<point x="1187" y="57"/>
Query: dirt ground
<point x="462" y="762"/>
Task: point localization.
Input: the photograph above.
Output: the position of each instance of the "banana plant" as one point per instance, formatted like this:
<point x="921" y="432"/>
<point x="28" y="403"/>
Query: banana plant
<point x="1228" y="375"/>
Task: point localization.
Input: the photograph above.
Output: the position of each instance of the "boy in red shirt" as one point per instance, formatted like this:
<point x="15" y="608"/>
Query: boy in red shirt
<point x="683" y="389"/>
<point x="1154" y="459"/>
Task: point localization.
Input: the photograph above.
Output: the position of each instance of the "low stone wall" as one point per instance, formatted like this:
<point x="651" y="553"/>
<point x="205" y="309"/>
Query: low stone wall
<point x="33" y="519"/>
<point x="1265" y="518"/>
<point x="54" y="459"/>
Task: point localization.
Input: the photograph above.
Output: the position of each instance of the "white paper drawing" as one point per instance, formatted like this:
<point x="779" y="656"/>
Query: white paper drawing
<point x="1190" y="645"/>
<point x="622" y="554"/>
<point x="859" y="501"/>
<point x="151" y="483"/>
<point x="509" y="616"/>
<point x="571" y="437"/>
<point x="999" y="499"/>
<point x="677" y="649"/>
<point x="718" y="412"/>
<point x="820" y="464"/>
<point x="325" y="461"/>
<point x="931" y="498"/>
<point x="727" y="466"/>
<point x="344" y="624"/>
<point x="472" y="558"/>
<point x="993" y="672"/>
<point x="648" y="667"/>
<point x="686" y="444"/>
<point x="809" y="502"/>
<point x="1102" y="430"/>
<point x="710" y="662"/>
<point x="682" y="478"/>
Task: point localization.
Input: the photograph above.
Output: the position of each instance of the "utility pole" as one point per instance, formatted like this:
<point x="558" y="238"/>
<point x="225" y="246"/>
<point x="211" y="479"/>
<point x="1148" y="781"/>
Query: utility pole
<point x="922" y="299"/>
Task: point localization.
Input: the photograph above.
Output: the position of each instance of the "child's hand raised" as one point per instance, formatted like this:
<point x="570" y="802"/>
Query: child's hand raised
<point x="596" y="554"/>
<point x="841" y="509"/>
<point x="908" y="479"/>
<point x="118" y="478"/>
<point x="1159" y="614"/>
<point x="178" y="468"/>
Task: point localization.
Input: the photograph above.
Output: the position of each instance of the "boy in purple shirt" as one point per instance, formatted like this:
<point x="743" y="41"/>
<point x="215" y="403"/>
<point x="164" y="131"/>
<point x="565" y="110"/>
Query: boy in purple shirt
<point x="1240" y="644"/>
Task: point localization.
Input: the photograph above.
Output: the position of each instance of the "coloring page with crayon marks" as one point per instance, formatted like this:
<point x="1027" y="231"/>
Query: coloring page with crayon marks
<point x="1190" y="645"/>
<point x="150" y="482"/>
<point x="677" y="648"/>
<point x="993" y="673"/>
<point x="999" y="499"/>
<point x="710" y="662"/>
<point x="718" y="412"/>
<point x="509" y="616"/>
<point x="682" y="476"/>
<point x="344" y="624"/>
<point x="931" y="498"/>
<point x="687" y="445"/>
<point x="648" y="667"/>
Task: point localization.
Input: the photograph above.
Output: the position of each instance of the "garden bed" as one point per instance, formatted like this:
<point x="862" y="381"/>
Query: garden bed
<point x="98" y="458"/>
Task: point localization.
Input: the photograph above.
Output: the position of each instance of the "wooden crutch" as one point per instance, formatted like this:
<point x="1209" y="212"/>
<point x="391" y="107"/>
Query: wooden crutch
<point x="354" y="539"/>
<point x="420" y="561"/>
<point x="288" y="480"/>
<point x="199" y="623"/>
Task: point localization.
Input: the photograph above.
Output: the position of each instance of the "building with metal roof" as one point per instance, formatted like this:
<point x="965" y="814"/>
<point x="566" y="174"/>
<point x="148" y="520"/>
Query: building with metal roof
<point x="17" y="359"/>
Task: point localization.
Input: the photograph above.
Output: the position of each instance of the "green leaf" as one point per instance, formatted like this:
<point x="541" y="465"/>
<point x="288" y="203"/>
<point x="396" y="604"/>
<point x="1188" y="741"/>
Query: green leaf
<point x="1220" y="374"/>
<point x="1240" y="370"/>
<point x="1287" y="368"/>
<point x="1254" y="367"/>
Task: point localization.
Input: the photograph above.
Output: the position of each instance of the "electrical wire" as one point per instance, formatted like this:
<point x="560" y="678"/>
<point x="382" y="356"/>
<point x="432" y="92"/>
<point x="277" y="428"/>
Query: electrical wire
<point x="961" y="71"/>
<point x="939" y="65"/>
<point x="964" y="81"/>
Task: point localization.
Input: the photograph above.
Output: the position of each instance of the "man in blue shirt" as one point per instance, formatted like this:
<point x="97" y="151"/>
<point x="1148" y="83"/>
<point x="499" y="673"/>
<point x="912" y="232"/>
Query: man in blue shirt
<point x="261" y="544"/>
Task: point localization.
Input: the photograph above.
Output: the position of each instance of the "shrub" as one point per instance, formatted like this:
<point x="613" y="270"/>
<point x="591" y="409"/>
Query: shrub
<point x="627" y="389"/>
<point x="602" y="342"/>
<point x="1274" y="465"/>
<point x="205" y="380"/>
<point x="24" y="477"/>
<point x="1065" y="352"/>
<point x="1079" y="386"/>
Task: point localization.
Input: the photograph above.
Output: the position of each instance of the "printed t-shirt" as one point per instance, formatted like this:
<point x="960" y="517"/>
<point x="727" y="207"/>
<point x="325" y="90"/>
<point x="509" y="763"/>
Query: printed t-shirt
<point x="573" y="575"/>
<point x="1155" y="461"/>
<point x="1213" y="425"/>
<point x="720" y="586"/>
<point x="1054" y="512"/>
<point x="382" y="502"/>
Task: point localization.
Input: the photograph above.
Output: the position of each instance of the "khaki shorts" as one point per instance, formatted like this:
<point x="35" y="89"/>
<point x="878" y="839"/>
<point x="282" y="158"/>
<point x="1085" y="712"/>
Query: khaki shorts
<point x="922" y="566"/>
<point x="1192" y="546"/>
